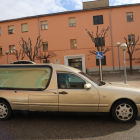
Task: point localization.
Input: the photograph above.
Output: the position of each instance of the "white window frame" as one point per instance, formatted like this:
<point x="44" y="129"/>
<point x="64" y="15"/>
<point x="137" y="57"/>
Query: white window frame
<point x="82" y="56"/>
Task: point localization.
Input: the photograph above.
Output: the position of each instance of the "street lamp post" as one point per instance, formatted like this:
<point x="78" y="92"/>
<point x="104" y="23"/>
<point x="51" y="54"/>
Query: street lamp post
<point x="7" y="52"/>
<point x="124" y="47"/>
<point x="118" y="45"/>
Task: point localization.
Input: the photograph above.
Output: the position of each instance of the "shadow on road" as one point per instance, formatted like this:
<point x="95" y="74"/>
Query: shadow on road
<point x="38" y="125"/>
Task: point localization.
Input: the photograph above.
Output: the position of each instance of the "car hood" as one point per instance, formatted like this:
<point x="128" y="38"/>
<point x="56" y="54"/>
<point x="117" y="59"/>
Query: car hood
<point x="121" y="86"/>
<point x="114" y="91"/>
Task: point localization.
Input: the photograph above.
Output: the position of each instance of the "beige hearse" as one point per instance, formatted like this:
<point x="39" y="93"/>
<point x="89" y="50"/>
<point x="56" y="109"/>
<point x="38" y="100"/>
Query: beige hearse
<point x="62" y="88"/>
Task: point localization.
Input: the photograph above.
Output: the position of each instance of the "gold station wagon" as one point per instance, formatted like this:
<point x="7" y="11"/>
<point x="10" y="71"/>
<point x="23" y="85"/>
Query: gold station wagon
<point x="52" y="87"/>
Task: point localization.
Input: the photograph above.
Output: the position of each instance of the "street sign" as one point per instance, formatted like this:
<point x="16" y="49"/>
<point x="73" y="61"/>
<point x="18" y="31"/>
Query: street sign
<point x="99" y="55"/>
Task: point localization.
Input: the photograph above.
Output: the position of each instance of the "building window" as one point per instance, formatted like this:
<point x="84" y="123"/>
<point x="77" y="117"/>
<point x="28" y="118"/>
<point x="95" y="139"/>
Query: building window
<point x="73" y="44"/>
<point x="131" y="39"/>
<point x="103" y="61"/>
<point x="72" y="22"/>
<point x="0" y="31"/>
<point x="24" y="27"/>
<point x="45" y="46"/>
<point x="129" y="17"/>
<point x="98" y="20"/>
<point x="25" y="47"/>
<point x="0" y="50"/>
<point x="44" y="25"/>
<point x="100" y="42"/>
<point x="11" y="29"/>
<point x="12" y="49"/>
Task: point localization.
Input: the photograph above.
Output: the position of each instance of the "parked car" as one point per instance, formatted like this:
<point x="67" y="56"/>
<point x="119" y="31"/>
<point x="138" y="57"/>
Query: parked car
<point x="23" y="62"/>
<point x="52" y="87"/>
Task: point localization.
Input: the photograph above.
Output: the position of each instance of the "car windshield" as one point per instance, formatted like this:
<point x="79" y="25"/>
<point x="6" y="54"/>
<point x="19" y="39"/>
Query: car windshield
<point x="92" y="79"/>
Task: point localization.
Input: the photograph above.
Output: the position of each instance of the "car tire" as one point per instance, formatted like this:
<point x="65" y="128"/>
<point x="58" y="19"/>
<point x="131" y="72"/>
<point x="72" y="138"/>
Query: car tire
<point x="124" y="111"/>
<point x="5" y="110"/>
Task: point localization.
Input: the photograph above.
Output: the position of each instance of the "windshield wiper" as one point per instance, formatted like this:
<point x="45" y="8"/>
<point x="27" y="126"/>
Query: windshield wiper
<point x="103" y="83"/>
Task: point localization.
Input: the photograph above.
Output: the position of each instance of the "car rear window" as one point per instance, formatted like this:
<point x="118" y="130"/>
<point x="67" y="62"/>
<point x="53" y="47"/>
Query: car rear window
<point x="25" y="78"/>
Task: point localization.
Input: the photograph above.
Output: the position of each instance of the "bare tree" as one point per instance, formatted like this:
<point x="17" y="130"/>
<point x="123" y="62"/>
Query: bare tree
<point x="98" y="40"/>
<point x="131" y="47"/>
<point x="31" y="51"/>
<point x="45" y="56"/>
<point x="19" y="53"/>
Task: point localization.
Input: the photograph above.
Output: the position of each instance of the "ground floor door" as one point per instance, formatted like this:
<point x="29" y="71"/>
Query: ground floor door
<point x="76" y="61"/>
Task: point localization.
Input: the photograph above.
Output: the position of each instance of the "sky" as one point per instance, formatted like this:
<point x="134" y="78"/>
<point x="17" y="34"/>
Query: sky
<point x="10" y="9"/>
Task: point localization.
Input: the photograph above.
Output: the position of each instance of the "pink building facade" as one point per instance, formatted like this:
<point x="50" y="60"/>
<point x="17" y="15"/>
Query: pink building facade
<point x="64" y="33"/>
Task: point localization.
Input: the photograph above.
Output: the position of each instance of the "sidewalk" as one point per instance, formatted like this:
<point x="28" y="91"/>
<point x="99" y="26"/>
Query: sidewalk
<point x="132" y="80"/>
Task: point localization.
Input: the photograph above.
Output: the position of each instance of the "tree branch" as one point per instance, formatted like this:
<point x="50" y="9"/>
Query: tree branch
<point x="99" y="43"/>
<point x="47" y="56"/>
<point x="92" y="52"/>
<point x="30" y="52"/>
<point x="108" y="49"/>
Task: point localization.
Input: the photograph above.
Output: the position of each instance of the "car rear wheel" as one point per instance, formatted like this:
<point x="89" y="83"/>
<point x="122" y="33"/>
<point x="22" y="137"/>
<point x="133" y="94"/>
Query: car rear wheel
<point x="5" y="110"/>
<point x="124" y="111"/>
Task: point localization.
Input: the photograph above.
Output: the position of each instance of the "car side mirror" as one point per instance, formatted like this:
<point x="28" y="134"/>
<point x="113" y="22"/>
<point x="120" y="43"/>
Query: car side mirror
<point x="87" y="86"/>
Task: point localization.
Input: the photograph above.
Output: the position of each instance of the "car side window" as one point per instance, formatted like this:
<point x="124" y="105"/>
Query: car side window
<point x="69" y="81"/>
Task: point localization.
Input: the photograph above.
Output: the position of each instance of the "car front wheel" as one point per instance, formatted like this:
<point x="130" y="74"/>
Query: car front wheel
<point x="124" y="111"/>
<point x="5" y="110"/>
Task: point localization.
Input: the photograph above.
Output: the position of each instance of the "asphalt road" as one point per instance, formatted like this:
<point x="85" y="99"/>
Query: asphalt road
<point x="39" y="125"/>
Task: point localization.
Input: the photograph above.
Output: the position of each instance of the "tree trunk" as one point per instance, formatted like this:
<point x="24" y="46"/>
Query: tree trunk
<point x="131" y="70"/>
<point x="46" y="60"/>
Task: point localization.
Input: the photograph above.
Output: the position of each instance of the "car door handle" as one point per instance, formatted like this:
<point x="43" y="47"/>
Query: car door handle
<point x="63" y="92"/>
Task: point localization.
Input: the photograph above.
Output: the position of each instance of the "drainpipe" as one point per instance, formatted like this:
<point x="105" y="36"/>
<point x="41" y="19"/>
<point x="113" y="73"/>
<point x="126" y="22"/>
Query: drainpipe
<point x="39" y="35"/>
<point x="111" y="38"/>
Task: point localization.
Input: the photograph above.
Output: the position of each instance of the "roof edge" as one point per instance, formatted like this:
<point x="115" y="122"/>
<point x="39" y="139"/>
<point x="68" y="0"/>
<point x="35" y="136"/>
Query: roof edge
<point x="67" y="12"/>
